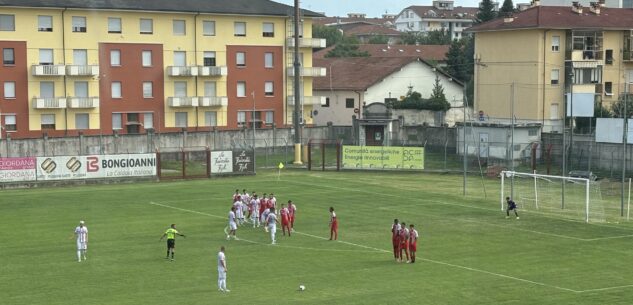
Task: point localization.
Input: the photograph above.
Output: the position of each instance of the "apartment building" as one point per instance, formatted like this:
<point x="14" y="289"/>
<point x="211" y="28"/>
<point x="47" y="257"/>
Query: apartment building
<point x="75" y="67"/>
<point x="443" y="15"/>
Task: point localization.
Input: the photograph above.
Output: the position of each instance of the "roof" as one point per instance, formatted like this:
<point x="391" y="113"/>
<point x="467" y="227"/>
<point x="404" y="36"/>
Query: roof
<point x="369" y="29"/>
<point x="425" y="52"/>
<point x="241" y="7"/>
<point x="342" y="20"/>
<point x="458" y="12"/>
<point x="356" y="73"/>
<point x="561" y="17"/>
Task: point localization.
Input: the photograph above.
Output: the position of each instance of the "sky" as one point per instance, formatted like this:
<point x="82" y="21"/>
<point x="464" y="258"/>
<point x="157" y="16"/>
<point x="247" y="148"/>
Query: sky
<point x="373" y="8"/>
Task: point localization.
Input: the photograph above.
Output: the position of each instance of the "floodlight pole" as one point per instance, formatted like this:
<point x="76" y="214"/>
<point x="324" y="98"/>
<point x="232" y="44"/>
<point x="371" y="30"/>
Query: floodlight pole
<point x="624" y="138"/>
<point x="297" y="92"/>
<point x="512" y="141"/>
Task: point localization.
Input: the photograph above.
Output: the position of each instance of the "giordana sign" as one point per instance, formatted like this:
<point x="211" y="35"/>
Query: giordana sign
<point x="17" y="169"/>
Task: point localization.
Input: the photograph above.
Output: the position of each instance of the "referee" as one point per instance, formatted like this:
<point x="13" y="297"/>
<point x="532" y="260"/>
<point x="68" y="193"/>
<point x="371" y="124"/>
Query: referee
<point x="171" y="240"/>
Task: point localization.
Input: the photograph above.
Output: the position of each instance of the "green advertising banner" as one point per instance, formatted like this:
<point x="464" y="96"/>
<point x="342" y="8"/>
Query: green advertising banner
<point x="381" y="157"/>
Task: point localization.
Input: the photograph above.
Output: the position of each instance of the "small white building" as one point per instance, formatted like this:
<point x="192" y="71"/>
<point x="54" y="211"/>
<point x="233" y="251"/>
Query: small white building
<point x="442" y="15"/>
<point x="357" y="81"/>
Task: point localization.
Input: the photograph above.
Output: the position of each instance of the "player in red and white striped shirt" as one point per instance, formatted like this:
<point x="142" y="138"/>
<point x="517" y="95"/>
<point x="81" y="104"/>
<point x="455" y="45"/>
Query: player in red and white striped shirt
<point x="292" y="210"/>
<point x="395" y="229"/>
<point x="333" y="224"/>
<point x="413" y="242"/>
<point x="285" y="219"/>
<point x="404" y="241"/>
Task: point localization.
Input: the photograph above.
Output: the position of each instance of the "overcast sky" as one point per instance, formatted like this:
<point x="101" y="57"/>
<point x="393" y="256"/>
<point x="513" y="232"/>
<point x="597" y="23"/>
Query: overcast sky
<point x="373" y="8"/>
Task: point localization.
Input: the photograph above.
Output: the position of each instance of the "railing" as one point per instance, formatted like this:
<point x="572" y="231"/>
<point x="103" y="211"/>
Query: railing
<point x="83" y="102"/>
<point x="307" y="100"/>
<point x="307" y="71"/>
<point x="213" y="101"/>
<point x="49" y="102"/>
<point x="307" y="42"/>
<point x="188" y="101"/>
<point x="75" y="70"/>
<point x="48" y="70"/>
<point x="182" y="70"/>
<point x="212" y="71"/>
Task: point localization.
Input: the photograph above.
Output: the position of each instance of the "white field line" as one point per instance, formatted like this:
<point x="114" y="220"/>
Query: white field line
<point x="186" y="210"/>
<point x="424" y="259"/>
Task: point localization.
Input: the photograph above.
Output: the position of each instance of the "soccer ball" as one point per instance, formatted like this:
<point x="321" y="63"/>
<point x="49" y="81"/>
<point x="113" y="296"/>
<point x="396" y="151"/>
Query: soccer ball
<point x="302" y="287"/>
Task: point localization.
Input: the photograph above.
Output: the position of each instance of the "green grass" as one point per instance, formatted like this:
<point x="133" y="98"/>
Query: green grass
<point x="468" y="252"/>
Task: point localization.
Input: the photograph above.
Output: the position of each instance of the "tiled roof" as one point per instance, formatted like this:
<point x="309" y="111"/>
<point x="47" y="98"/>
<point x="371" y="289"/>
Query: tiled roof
<point x="458" y="12"/>
<point x="356" y="73"/>
<point x="335" y="20"/>
<point x="366" y="29"/>
<point x="425" y="52"/>
<point x="240" y="7"/>
<point x="561" y="17"/>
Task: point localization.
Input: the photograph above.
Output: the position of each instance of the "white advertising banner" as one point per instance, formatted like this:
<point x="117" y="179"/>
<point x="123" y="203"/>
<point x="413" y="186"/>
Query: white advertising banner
<point x="96" y="166"/>
<point x="61" y="168"/>
<point x="17" y="169"/>
<point x="221" y="162"/>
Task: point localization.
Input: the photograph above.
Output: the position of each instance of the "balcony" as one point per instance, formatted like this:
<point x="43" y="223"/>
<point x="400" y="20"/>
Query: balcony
<point x="83" y="102"/>
<point x="49" y="102"/>
<point x="213" y="101"/>
<point x="182" y="71"/>
<point x="212" y="71"/>
<point x="307" y="100"/>
<point x="187" y="101"/>
<point x="306" y="42"/>
<point x="587" y="55"/>
<point x="48" y="70"/>
<point x="307" y="71"/>
<point x="74" y="70"/>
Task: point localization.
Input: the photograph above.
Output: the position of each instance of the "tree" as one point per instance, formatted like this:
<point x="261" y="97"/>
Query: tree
<point x="459" y="59"/>
<point x="438" y="101"/>
<point x="618" y="107"/>
<point x="599" y="111"/>
<point x="507" y="8"/>
<point x="348" y="47"/>
<point x="436" y="37"/>
<point x="486" y="11"/>
<point x="378" y="39"/>
<point x="411" y="38"/>
<point x="331" y="34"/>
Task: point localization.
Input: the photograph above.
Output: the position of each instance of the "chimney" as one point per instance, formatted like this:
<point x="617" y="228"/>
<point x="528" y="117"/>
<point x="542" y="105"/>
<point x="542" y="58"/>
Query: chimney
<point x="508" y="18"/>
<point x="594" y="7"/>
<point x="576" y="7"/>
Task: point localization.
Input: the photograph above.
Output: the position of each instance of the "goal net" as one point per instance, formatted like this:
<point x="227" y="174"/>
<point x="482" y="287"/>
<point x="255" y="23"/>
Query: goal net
<point x="566" y="197"/>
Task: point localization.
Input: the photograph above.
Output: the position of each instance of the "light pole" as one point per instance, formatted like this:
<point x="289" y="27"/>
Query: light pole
<point x="297" y="92"/>
<point x="253" y="120"/>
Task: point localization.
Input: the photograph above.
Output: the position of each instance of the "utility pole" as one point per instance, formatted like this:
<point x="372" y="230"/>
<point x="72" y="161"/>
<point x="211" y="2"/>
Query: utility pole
<point x="512" y="141"/>
<point x="465" y="99"/>
<point x="624" y="139"/>
<point x="297" y="92"/>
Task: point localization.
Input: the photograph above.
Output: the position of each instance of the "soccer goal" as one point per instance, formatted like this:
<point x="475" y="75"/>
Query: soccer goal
<point x="568" y="197"/>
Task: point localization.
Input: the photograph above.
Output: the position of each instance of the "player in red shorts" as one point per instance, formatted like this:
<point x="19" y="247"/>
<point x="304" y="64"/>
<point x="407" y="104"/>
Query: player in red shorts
<point x="395" y="230"/>
<point x="292" y="209"/>
<point x="285" y="220"/>
<point x="413" y="242"/>
<point x="263" y="204"/>
<point x="404" y="241"/>
<point x="333" y="224"/>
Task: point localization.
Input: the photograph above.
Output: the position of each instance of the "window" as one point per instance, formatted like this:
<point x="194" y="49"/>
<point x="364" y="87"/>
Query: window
<point x="146" y="58"/>
<point x="114" y="25"/>
<point x="46" y="56"/>
<point x="180" y="58"/>
<point x="147" y="26"/>
<point x="148" y="120"/>
<point x="268" y="60"/>
<point x="116" y="121"/>
<point x="209" y="59"/>
<point x="241" y="89"/>
<point x="179" y="28"/>
<point x="327" y="102"/>
<point x="239" y="29"/>
<point x="148" y="89"/>
<point x="47" y="89"/>
<point x="208" y="28"/>
<point x="82" y="121"/>
<point x="80" y="57"/>
<point x="181" y="119"/>
<point x="349" y="103"/>
<point x="240" y="59"/>
<point x="8" y="56"/>
<point x="210" y="118"/>
<point x="608" y="88"/>
<point x="554" y="76"/>
<point x="270" y="115"/>
<point x="7" y="23"/>
<point x="10" y="123"/>
<point x="180" y="89"/>
<point x="269" y="89"/>
<point x="210" y="89"/>
<point x="241" y="117"/>
<point x="116" y="89"/>
<point x="268" y="29"/>
<point x="115" y="57"/>
<point x="79" y="24"/>
<point x="47" y="121"/>
<point x="132" y="118"/>
<point x="9" y="90"/>
<point x="81" y="89"/>
<point x="608" y="57"/>
<point x="45" y="23"/>
<point x="532" y="132"/>
<point x="555" y="43"/>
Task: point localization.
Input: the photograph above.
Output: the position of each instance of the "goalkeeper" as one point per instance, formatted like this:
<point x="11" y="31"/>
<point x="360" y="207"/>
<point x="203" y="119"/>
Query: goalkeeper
<point x="512" y="206"/>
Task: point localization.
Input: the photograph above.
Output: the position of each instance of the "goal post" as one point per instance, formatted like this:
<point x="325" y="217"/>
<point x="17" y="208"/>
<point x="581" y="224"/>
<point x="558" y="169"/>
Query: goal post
<point x="545" y="193"/>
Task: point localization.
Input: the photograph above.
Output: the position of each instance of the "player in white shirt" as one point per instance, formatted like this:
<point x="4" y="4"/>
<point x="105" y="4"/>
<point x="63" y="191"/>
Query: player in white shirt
<point x="254" y="208"/>
<point x="232" y="225"/>
<point x="222" y="270"/>
<point x="273" y="201"/>
<point x="265" y="214"/>
<point x="246" y="199"/>
<point x="81" y="233"/>
<point x="239" y="210"/>
<point x="271" y="224"/>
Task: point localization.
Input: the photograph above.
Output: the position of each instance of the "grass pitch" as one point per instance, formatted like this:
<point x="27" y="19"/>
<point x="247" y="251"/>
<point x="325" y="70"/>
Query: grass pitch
<point x="468" y="252"/>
